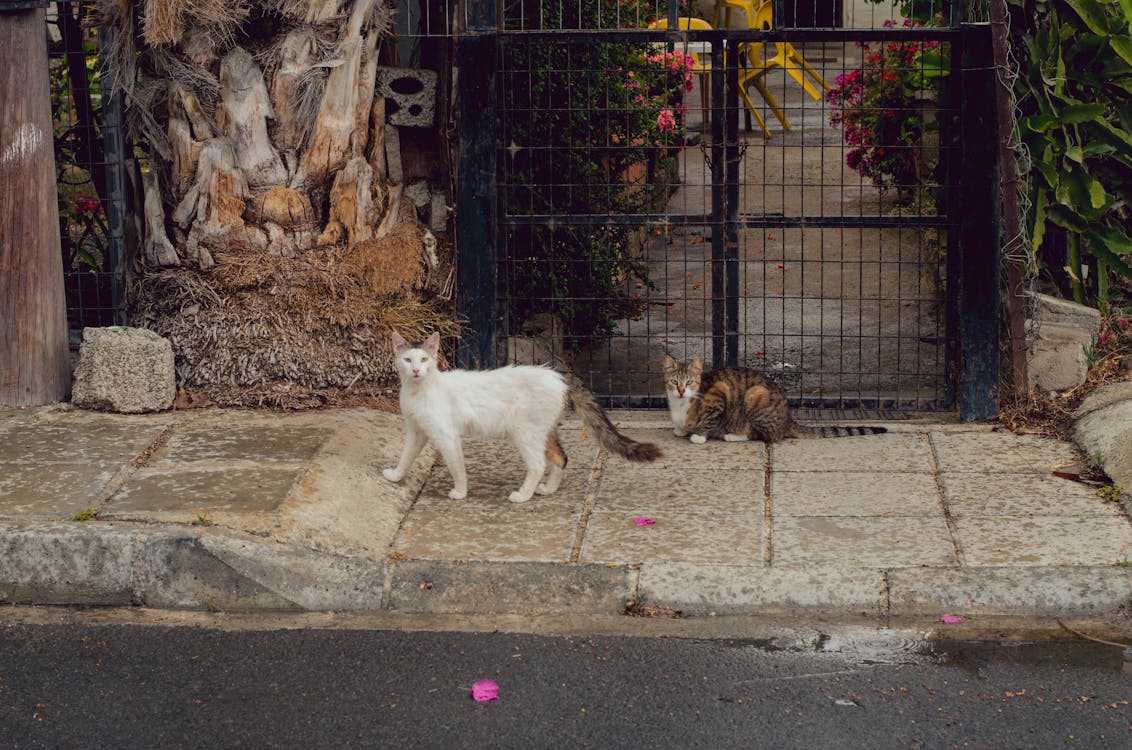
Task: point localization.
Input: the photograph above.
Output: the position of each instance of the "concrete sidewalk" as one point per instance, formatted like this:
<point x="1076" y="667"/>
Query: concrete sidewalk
<point x="257" y="510"/>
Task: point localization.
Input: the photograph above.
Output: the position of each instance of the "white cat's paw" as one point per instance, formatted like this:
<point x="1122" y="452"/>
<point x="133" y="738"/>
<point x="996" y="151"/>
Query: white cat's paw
<point x="517" y="497"/>
<point x="679" y="431"/>
<point x="456" y="494"/>
<point x="542" y="489"/>
<point x="392" y="475"/>
<point x="736" y="438"/>
<point x="699" y="439"/>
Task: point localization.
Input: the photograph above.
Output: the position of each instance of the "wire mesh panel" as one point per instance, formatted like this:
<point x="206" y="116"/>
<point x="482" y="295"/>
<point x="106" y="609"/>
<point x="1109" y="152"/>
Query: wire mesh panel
<point x="87" y="153"/>
<point x="729" y="188"/>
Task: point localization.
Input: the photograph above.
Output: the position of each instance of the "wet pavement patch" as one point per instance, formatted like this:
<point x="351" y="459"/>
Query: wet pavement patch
<point x="255" y="443"/>
<point x="91" y="443"/>
<point x="228" y="489"/>
<point x="60" y="490"/>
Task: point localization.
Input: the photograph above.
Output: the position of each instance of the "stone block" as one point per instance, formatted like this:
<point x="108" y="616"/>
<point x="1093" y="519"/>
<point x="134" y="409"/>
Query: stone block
<point x="410" y="96"/>
<point x="418" y="195"/>
<point x="1049" y="310"/>
<point x="126" y="370"/>
<point x="1056" y="356"/>
<point x="540" y="344"/>
<point x="393" y="169"/>
<point x="438" y="214"/>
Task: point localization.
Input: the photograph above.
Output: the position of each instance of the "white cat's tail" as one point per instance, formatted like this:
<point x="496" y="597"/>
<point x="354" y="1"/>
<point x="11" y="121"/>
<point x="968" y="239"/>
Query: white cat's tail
<point x="608" y="437"/>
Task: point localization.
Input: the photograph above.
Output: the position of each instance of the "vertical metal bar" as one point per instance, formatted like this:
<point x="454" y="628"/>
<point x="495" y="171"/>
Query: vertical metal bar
<point x="978" y="250"/>
<point x="477" y="124"/>
<point x="718" y="138"/>
<point x="951" y="203"/>
<point x="117" y="198"/>
<point x="731" y="211"/>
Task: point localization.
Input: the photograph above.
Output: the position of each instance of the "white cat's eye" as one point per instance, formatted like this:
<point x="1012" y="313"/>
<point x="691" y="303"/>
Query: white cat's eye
<point x="424" y="359"/>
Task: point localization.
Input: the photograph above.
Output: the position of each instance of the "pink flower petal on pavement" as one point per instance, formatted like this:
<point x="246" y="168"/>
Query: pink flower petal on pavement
<point x="643" y="521"/>
<point x="485" y="690"/>
<point x="952" y="619"/>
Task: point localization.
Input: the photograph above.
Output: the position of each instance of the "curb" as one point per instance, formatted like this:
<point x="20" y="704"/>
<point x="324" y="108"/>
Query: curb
<point x="208" y="569"/>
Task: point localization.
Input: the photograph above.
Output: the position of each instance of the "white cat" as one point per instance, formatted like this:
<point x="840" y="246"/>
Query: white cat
<point x="522" y="403"/>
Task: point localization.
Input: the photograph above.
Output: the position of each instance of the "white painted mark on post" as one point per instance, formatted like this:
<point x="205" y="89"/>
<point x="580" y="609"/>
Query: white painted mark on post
<point x="25" y="143"/>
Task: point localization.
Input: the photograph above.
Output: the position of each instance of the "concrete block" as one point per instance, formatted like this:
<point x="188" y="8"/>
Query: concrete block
<point x="393" y="169"/>
<point x="1049" y="310"/>
<point x="540" y="344"/>
<point x="1104" y="429"/>
<point x="418" y="195"/>
<point x="438" y="214"/>
<point x="1056" y="356"/>
<point x="410" y="95"/>
<point x="126" y="370"/>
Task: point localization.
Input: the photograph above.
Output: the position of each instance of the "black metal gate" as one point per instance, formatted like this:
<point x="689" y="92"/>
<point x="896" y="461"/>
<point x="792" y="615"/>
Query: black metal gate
<point x="814" y="203"/>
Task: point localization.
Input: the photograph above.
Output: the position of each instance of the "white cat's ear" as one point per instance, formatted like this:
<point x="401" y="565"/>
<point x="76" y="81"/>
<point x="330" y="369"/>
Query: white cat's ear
<point x="432" y="344"/>
<point x="398" y="342"/>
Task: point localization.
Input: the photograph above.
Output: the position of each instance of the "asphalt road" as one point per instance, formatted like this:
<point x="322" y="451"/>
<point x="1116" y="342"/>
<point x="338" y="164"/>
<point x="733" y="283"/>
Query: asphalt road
<point x="145" y="686"/>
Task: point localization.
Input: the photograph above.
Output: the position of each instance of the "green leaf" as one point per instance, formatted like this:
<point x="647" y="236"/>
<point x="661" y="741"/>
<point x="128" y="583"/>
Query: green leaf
<point x="1067" y="218"/>
<point x="1097" y="195"/>
<point x="1039" y="123"/>
<point x="1092" y="13"/>
<point x="1113" y="238"/>
<point x="1122" y="46"/>
<point x="1040" y="205"/>
<point x="1075" y="153"/>
<point x="1126" y="6"/>
<point x="1101" y="246"/>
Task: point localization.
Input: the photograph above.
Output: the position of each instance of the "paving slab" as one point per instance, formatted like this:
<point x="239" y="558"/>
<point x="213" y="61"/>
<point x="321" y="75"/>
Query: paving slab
<point x="1029" y="494"/>
<point x="929" y="517"/>
<point x="498" y="533"/>
<point x="854" y="541"/>
<point x="1002" y="451"/>
<point x="58" y="490"/>
<point x="1026" y="541"/>
<point x="810" y="493"/>
<point x="903" y="452"/>
<point x="200" y="441"/>
<point x="684" y="489"/>
<point x="704" y="538"/>
<point x="164" y="488"/>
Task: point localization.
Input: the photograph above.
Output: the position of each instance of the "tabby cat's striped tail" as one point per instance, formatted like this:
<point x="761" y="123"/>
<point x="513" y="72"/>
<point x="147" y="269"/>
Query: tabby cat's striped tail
<point x="832" y="431"/>
<point x="608" y="437"/>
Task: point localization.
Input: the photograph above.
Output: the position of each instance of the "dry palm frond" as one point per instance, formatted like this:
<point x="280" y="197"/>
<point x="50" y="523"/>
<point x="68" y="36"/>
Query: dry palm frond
<point x="165" y="21"/>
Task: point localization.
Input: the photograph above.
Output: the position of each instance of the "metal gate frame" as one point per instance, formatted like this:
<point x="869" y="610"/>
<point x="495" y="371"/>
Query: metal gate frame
<point x="969" y="213"/>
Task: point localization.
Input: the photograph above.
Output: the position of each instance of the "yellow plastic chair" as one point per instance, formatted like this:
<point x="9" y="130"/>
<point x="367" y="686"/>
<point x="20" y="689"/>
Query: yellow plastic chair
<point x="702" y="66"/>
<point x="757" y="63"/>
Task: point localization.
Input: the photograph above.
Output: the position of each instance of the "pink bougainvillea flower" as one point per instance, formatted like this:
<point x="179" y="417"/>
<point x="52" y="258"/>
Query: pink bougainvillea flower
<point x="952" y="619"/>
<point x="665" y="121"/>
<point x="84" y="204"/>
<point x="485" y="690"/>
<point x="644" y="521"/>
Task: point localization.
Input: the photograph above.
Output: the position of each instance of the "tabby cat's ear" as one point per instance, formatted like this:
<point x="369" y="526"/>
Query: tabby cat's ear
<point x="432" y="345"/>
<point x="669" y="364"/>
<point x="697" y="366"/>
<point x="398" y="342"/>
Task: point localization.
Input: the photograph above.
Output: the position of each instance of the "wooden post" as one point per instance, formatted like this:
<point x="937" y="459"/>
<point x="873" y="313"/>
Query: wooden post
<point x="34" y="355"/>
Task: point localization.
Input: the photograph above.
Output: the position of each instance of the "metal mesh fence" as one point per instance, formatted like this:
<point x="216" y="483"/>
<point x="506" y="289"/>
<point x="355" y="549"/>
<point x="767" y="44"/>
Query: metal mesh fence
<point x="777" y="201"/>
<point x="90" y="208"/>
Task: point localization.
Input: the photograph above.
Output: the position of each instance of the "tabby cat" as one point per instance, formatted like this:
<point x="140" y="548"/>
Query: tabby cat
<point x="522" y="403"/>
<point x="735" y="403"/>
